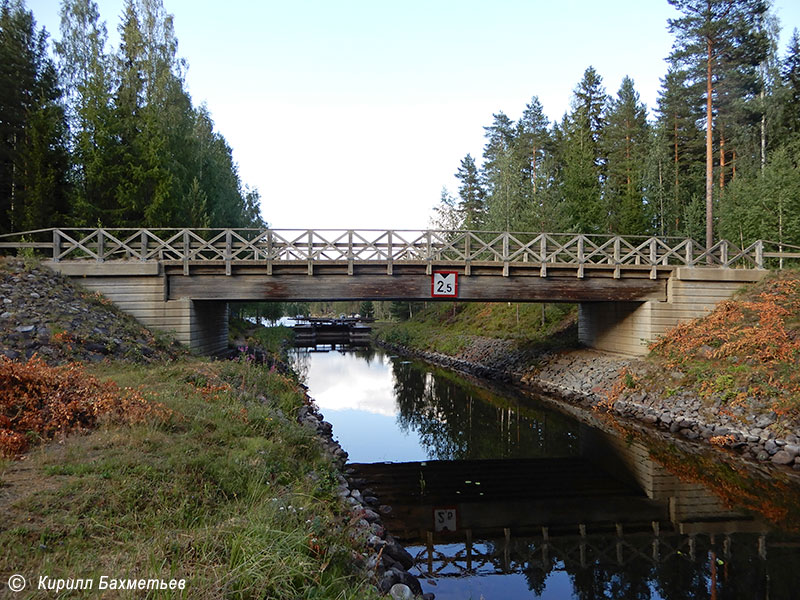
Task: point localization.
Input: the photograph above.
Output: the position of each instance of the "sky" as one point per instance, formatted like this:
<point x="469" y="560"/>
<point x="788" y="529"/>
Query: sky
<point x="354" y="114"/>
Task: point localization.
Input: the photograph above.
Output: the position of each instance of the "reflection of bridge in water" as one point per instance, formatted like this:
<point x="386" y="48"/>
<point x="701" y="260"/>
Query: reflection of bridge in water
<point x="611" y="508"/>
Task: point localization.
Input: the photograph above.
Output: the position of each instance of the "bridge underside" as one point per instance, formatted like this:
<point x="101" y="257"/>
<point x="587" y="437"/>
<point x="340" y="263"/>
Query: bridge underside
<point x="621" y="310"/>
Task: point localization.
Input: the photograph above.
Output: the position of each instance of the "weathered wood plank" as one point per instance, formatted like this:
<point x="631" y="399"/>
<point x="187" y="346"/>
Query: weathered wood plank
<point x="410" y="287"/>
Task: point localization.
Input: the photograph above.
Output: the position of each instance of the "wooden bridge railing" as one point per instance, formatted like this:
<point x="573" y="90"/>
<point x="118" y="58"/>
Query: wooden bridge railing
<point x="236" y="246"/>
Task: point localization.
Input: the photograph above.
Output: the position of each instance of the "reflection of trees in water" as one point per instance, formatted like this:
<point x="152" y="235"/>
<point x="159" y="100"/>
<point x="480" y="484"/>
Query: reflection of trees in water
<point x="367" y="353"/>
<point x="733" y="563"/>
<point x="458" y="420"/>
<point x="301" y="362"/>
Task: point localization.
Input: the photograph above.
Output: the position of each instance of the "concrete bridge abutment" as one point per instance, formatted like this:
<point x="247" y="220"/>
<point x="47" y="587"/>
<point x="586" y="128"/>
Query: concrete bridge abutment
<point x="629" y="327"/>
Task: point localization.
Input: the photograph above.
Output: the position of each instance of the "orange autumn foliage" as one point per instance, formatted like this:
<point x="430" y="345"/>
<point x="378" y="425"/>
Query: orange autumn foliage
<point x="40" y="402"/>
<point x="760" y="331"/>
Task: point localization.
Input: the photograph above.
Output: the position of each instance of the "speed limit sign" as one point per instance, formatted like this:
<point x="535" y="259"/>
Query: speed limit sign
<point x="444" y="283"/>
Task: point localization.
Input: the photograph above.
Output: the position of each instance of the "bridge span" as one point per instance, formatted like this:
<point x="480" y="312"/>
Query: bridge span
<point x="630" y="289"/>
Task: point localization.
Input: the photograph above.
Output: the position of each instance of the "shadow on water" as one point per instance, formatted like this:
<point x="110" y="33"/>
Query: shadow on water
<point x="514" y="499"/>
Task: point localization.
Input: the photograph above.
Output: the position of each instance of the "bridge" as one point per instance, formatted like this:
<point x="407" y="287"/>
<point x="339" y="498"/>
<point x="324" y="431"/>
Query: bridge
<point x="630" y="289"/>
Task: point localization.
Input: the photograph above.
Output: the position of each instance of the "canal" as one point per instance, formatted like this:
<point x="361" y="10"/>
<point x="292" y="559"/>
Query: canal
<point x="499" y="494"/>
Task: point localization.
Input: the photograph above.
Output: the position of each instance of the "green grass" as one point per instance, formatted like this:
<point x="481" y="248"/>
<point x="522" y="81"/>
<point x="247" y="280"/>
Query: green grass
<point x="449" y="327"/>
<point x="271" y="339"/>
<point x="230" y="493"/>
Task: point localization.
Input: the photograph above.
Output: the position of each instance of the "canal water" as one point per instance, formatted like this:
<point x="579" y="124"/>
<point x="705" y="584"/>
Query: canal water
<point x="501" y="495"/>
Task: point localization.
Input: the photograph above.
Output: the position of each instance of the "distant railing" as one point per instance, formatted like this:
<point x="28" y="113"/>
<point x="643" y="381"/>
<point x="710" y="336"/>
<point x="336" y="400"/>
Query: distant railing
<point x="350" y="246"/>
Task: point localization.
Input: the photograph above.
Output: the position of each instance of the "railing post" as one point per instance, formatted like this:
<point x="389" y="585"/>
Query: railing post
<point x="228" y="251"/>
<point x="723" y="252"/>
<point x="428" y="253"/>
<point x="269" y="252"/>
<point x="760" y="254"/>
<point x="543" y="255"/>
<point x="617" y="257"/>
<point x="653" y="258"/>
<point x="389" y="252"/>
<point x="689" y="253"/>
<point x="505" y="253"/>
<point x="581" y="239"/>
<point x="186" y="249"/>
<point x="100" y="246"/>
<point x="143" y="240"/>
<point x="349" y="251"/>
<point x="310" y="252"/>
<point x="467" y="256"/>
<point x="56" y="245"/>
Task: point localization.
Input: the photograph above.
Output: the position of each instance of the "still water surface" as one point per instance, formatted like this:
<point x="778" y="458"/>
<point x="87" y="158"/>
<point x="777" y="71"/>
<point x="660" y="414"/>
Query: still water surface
<point x="498" y="495"/>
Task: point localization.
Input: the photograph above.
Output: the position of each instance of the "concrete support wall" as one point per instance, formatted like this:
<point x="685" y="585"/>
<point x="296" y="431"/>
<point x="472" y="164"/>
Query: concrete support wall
<point x="688" y="501"/>
<point x="202" y="326"/>
<point x="628" y="327"/>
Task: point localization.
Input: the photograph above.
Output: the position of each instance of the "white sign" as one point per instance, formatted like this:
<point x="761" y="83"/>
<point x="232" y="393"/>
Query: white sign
<point x="444" y="519"/>
<point x="444" y="283"/>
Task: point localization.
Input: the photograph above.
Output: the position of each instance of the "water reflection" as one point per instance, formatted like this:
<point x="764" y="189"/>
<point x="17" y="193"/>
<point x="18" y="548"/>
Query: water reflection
<point x="578" y="511"/>
<point x="380" y="405"/>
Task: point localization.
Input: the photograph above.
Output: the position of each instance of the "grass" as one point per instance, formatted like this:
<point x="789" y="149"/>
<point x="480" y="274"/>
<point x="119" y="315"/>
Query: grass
<point x="450" y="327"/>
<point x="271" y="339"/>
<point x="229" y="492"/>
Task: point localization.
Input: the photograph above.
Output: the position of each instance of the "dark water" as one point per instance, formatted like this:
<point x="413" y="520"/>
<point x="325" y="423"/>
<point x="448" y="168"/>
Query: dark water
<point x="500" y="495"/>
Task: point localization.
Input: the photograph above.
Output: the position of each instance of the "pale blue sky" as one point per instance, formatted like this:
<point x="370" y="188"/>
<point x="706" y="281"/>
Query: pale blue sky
<point x="354" y="114"/>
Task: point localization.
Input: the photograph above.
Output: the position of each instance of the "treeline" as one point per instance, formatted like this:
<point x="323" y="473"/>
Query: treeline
<point x="608" y="168"/>
<point x="101" y="136"/>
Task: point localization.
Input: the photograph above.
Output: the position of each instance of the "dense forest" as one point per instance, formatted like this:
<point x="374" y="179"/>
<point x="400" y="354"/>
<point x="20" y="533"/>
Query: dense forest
<point x="608" y="168"/>
<point x="98" y="136"/>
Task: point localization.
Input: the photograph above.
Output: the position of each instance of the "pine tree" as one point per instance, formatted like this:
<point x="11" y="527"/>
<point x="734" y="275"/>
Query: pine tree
<point x="790" y="88"/>
<point x="446" y="215"/>
<point x="86" y="72"/>
<point x="33" y="156"/>
<point x="625" y="142"/>
<point x="501" y="174"/>
<point x="678" y="114"/>
<point x="582" y="162"/>
<point x="719" y="47"/>
<point x="472" y="196"/>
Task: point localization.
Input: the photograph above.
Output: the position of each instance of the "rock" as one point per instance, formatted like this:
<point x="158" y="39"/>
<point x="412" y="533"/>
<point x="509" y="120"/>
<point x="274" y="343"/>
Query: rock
<point x="6" y="315"/>
<point x="400" y="591"/>
<point x="370" y="515"/>
<point x="762" y="455"/>
<point x="782" y="458"/>
<point x="771" y="447"/>
<point x="766" y="420"/>
<point x="389" y="579"/>
<point x="793" y="449"/>
<point x="35" y="295"/>
<point x="398" y="553"/>
<point x="408" y="579"/>
<point x="26" y="328"/>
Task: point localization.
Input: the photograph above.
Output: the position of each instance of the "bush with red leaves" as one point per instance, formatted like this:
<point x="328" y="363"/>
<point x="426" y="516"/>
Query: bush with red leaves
<point x="40" y="402"/>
